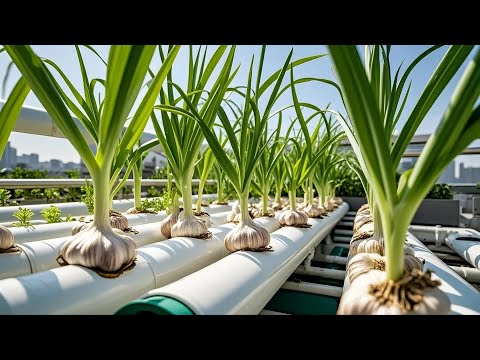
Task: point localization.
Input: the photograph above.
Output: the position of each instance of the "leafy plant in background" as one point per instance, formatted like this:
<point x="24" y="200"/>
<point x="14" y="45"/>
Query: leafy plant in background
<point x="70" y="218"/>
<point x="88" y="196"/>
<point x="153" y="192"/>
<point x="52" y="214"/>
<point x="440" y="191"/>
<point x="159" y="173"/>
<point x="24" y="216"/>
<point x="4" y="197"/>
<point x="52" y="194"/>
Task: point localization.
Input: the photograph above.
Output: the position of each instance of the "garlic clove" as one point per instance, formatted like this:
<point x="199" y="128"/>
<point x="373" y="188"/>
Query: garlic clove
<point x="277" y="206"/>
<point x="99" y="247"/>
<point x="313" y="211"/>
<point x="362" y="297"/>
<point x="293" y="218"/>
<point x="6" y="238"/>
<point x="118" y="220"/>
<point x="249" y="236"/>
<point x="167" y="223"/>
<point x="79" y="227"/>
<point x="203" y="216"/>
<point x="189" y="227"/>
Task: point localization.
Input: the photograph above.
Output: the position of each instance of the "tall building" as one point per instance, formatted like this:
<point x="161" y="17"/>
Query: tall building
<point x="9" y="157"/>
<point x="448" y="175"/>
<point x="469" y="175"/>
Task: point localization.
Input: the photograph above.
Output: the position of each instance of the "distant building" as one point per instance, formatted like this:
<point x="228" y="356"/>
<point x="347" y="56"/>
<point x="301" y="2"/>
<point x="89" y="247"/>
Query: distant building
<point x="9" y="157"/>
<point x="448" y="175"/>
<point x="469" y="174"/>
<point x="30" y="160"/>
<point x="406" y="164"/>
<point x="71" y="166"/>
<point x="56" y="165"/>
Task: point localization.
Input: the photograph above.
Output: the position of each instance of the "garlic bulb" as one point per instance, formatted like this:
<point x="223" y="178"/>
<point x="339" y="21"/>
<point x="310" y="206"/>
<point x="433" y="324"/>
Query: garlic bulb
<point x="203" y="216"/>
<point x="167" y="223"/>
<point x="277" y="206"/>
<point x="247" y="236"/>
<point x="293" y="218"/>
<point x="361" y="220"/>
<point x="256" y="213"/>
<point x="6" y="238"/>
<point x="363" y="208"/>
<point x="313" y="211"/>
<point x="338" y="200"/>
<point x="301" y="206"/>
<point x="328" y="206"/>
<point x="99" y="247"/>
<point x="118" y="221"/>
<point x="205" y="203"/>
<point x="189" y="227"/>
<point x="133" y="210"/>
<point x="216" y="202"/>
<point x="373" y="244"/>
<point x="362" y="263"/>
<point x="233" y="214"/>
<point x="79" y="227"/>
<point x="415" y="294"/>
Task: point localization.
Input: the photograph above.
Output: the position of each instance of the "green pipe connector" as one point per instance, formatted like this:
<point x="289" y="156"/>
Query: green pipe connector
<point x="155" y="305"/>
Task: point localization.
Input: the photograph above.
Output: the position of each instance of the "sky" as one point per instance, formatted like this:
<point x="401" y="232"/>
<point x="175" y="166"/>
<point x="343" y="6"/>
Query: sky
<point x="321" y="95"/>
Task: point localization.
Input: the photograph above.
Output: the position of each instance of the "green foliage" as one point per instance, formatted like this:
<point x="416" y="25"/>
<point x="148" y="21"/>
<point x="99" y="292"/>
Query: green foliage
<point x="87" y="196"/>
<point x="440" y="191"/>
<point x="52" y="194"/>
<point x="20" y="173"/>
<point x="52" y="214"/>
<point x="4" y="197"/>
<point x="72" y="174"/>
<point x="159" y="173"/>
<point x="349" y="182"/>
<point x="24" y="215"/>
<point x="159" y="203"/>
<point x="153" y="192"/>
<point x="70" y="218"/>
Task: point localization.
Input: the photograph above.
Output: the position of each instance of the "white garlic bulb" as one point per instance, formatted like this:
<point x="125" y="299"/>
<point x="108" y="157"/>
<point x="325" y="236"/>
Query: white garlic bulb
<point x="374" y="244"/>
<point x="360" y="220"/>
<point x="256" y="213"/>
<point x="419" y="295"/>
<point x="313" y="211"/>
<point x="203" y="216"/>
<point x="328" y="206"/>
<point x="277" y="206"/>
<point x="232" y="216"/>
<point x="99" y="247"/>
<point x="247" y="236"/>
<point x="167" y="223"/>
<point x="133" y="210"/>
<point x="118" y="220"/>
<point x="363" y="208"/>
<point x="293" y="218"/>
<point x="338" y="200"/>
<point x="6" y="238"/>
<point x="189" y="227"/>
<point x="362" y="263"/>
<point x="79" y="226"/>
<point x="216" y="202"/>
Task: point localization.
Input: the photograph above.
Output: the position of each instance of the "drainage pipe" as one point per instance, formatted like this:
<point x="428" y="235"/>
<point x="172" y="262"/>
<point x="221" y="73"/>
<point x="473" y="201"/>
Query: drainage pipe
<point x="466" y="243"/>
<point x="313" y="288"/>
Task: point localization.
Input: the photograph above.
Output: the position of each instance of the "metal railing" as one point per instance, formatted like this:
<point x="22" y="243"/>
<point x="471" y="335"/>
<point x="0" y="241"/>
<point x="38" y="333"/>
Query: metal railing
<point x="69" y="183"/>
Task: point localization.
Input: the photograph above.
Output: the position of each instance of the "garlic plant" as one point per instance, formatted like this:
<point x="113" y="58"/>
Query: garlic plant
<point x="371" y="102"/>
<point x="8" y="116"/>
<point x="247" y="235"/>
<point x="302" y="160"/>
<point x="264" y="172"/>
<point x="99" y="246"/>
<point x="180" y="136"/>
<point x="204" y="166"/>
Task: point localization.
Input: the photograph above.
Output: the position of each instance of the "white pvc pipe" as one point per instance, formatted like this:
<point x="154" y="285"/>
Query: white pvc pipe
<point x="321" y="272"/>
<point x="244" y="282"/>
<point x="472" y="275"/>
<point x="467" y="249"/>
<point x="332" y="259"/>
<point x="79" y="208"/>
<point x="432" y="234"/>
<point x="313" y="288"/>
<point x="77" y="290"/>
<point x="39" y="256"/>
